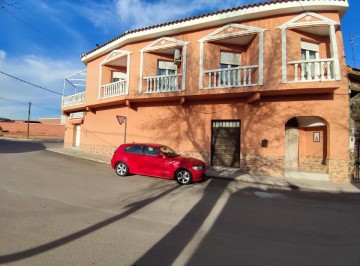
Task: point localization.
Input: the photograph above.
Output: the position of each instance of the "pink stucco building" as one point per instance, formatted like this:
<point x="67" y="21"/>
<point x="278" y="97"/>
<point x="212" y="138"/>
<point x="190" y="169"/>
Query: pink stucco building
<point x="261" y="88"/>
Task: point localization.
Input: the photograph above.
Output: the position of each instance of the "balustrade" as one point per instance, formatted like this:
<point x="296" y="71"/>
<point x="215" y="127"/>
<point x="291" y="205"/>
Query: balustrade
<point x="230" y="77"/>
<point x="74" y="99"/>
<point x="165" y="83"/>
<point x="313" y="70"/>
<point x="113" y="89"/>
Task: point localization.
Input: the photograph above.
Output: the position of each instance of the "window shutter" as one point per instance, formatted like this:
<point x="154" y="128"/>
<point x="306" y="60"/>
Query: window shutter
<point x="167" y="65"/>
<point x="310" y="46"/>
<point x="118" y="75"/>
<point x="230" y="58"/>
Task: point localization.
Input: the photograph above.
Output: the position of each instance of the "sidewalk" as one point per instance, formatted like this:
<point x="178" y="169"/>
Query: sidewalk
<point x="234" y="174"/>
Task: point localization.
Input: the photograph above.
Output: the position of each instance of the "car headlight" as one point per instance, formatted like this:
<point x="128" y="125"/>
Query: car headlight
<point x="197" y="167"/>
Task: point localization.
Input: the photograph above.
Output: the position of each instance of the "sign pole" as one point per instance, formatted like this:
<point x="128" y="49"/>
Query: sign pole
<point x="125" y="121"/>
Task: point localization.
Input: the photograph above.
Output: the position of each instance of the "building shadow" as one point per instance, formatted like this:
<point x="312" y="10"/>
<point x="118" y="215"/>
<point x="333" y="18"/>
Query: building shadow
<point x="17" y="146"/>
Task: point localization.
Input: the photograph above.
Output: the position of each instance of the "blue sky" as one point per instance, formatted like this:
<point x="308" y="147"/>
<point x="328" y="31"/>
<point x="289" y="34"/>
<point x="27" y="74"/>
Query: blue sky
<point x="41" y="41"/>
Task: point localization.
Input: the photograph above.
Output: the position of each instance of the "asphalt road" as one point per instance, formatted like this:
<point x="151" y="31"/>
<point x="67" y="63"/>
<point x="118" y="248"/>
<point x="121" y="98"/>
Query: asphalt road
<point x="60" y="210"/>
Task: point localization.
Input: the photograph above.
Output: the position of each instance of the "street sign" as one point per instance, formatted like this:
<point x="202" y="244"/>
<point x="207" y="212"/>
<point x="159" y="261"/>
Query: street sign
<point x="121" y="119"/>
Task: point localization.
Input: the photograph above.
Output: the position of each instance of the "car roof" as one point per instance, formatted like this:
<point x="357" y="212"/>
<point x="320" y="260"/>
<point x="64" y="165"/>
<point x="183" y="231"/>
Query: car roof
<point x="143" y="144"/>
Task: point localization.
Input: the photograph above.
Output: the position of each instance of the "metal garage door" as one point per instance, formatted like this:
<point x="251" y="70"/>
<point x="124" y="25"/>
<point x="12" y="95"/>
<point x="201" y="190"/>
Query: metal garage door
<point x="225" y="143"/>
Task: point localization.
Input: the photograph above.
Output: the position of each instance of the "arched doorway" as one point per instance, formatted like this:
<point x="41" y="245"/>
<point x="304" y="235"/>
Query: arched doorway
<point x="306" y="151"/>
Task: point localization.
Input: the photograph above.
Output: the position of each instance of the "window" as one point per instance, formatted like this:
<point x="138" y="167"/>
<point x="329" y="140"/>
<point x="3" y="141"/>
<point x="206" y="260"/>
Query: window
<point x="134" y="149"/>
<point x="168" y="151"/>
<point x="151" y="151"/>
<point x="310" y="51"/>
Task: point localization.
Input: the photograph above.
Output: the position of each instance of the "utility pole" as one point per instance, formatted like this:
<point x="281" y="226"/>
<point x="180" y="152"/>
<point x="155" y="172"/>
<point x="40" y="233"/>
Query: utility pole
<point x="352" y="43"/>
<point x="28" y="127"/>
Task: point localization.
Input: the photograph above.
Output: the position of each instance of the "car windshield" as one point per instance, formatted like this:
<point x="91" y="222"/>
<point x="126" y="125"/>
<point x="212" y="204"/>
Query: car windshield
<point x="168" y="152"/>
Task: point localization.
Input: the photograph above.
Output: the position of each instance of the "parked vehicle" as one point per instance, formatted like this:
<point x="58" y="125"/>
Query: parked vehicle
<point x="158" y="161"/>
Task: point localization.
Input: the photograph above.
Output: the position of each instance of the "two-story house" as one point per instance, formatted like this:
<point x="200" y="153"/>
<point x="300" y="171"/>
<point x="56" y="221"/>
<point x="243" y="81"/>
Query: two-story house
<point x="260" y="87"/>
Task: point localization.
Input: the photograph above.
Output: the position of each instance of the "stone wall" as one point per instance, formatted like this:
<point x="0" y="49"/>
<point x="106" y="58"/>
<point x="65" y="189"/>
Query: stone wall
<point x="98" y="149"/>
<point x="338" y="170"/>
<point x="262" y="165"/>
<point x="313" y="163"/>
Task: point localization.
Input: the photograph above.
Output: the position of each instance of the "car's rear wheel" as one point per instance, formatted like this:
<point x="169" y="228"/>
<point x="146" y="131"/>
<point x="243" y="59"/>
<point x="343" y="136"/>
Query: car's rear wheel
<point x="183" y="177"/>
<point x="121" y="169"/>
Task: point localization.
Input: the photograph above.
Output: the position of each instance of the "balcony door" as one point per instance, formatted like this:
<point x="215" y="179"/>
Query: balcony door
<point x="309" y="52"/>
<point x="167" y="69"/>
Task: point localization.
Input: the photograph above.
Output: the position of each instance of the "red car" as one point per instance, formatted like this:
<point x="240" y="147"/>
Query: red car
<point x="156" y="160"/>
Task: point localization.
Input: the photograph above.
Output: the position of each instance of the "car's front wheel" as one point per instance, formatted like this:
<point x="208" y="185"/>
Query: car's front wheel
<point x="121" y="169"/>
<point x="183" y="177"/>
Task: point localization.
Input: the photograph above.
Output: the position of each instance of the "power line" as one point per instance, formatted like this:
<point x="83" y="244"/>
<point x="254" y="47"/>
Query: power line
<point x="38" y="106"/>
<point x="12" y="101"/>
<point x="4" y="5"/>
<point x="4" y="9"/>
<point x="11" y="76"/>
<point x="310" y="20"/>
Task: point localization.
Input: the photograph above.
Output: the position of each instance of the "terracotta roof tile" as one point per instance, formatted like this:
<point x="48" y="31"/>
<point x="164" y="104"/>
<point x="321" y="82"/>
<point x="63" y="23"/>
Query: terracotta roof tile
<point x="193" y="18"/>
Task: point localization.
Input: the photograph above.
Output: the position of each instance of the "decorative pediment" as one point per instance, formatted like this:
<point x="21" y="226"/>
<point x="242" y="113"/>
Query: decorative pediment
<point x="308" y="19"/>
<point x="231" y="31"/>
<point x="164" y="43"/>
<point x="114" y="55"/>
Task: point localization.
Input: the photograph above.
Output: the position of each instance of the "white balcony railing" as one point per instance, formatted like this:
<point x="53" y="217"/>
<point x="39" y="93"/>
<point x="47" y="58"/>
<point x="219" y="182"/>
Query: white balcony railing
<point x="74" y="99"/>
<point x="113" y="89"/>
<point x="313" y="70"/>
<point x="230" y="77"/>
<point x="168" y="83"/>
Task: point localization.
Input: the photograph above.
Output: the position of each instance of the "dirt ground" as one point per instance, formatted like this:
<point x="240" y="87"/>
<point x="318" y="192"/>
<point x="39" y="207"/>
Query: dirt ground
<point x="33" y="136"/>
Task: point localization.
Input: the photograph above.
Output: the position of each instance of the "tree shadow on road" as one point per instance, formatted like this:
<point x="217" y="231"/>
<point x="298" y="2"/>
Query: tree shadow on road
<point x="74" y="236"/>
<point x="268" y="226"/>
<point x="235" y="223"/>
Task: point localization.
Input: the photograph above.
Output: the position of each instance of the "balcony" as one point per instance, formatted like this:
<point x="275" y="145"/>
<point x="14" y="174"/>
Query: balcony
<point x="74" y="99"/>
<point x="313" y="70"/>
<point x="74" y="82"/>
<point x="114" y="75"/>
<point x="231" y="57"/>
<point x="230" y="77"/>
<point x="323" y="44"/>
<point x="165" y="83"/>
<point x="163" y="66"/>
<point x="114" y="89"/>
